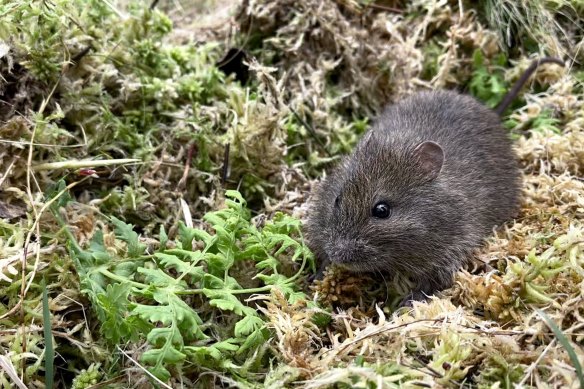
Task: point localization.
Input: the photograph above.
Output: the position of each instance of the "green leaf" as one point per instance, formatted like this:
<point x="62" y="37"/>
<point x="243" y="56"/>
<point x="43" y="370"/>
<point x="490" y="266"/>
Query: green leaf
<point x="253" y="250"/>
<point x="235" y="195"/>
<point x="126" y="269"/>
<point x="154" y="313"/>
<point x="227" y="302"/>
<point x="268" y="263"/>
<point x="284" y="241"/>
<point x="247" y="325"/>
<point x="213" y="282"/>
<point x="157" y="277"/>
<point x="92" y="283"/>
<point x="156" y="358"/>
<point x="101" y="258"/>
<point x="48" y="337"/>
<point x="173" y="262"/>
<point x="187" y="235"/>
<point x="218" y="263"/>
<point x="54" y="191"/>
<point x="186" y="255"/>
<point x="254" y="340"/>
<point x="283" y="283"/>
<point x="126" y="233"/>
<point x="487" y="84"/>
<point x="478" y="59"/>
<point x="215" y="219"/>
<point x="228" y="345"/>
<point x="96" y="244"/>
<point x="206" y="355"/>
<point x="159" y="336"/>
<point x="113" y="310"/>
<point x="181" y="323"/>
<point x="165" y="314"/>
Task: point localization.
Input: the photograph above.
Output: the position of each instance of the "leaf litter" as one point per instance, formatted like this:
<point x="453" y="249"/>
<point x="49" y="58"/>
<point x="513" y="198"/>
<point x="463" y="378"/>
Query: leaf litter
<point x="135" y="285"/>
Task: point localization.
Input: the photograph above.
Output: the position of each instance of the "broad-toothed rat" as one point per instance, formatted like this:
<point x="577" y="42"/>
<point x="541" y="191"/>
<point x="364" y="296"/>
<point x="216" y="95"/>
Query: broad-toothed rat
<point x="421" y="191"/>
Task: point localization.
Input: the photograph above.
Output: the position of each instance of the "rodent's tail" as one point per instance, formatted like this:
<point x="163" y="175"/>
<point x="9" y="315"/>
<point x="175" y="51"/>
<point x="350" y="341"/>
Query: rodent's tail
<point x="512" y="94"/>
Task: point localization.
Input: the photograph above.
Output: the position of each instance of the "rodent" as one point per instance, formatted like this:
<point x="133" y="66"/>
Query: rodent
<point x="423" y="188"/>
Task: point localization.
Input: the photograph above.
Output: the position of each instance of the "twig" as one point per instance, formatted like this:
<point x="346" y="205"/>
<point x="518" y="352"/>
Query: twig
<point x="8" y="367"/>
<point x="434" y="372"/>
<point x="142" y="368"/>
<point x="342" y="347"/>
<point x="311" y="131"/>
<point x="183" y="180"/>
<point x="77" y="57"/>
<point x="532" y="367"/>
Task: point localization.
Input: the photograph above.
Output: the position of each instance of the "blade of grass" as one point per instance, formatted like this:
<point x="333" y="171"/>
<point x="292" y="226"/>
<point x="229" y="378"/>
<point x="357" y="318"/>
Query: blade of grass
<point x="49" y="350"/>
<point x="566" y="343"/>
<point x="7" y="366"/>
<point x="83" y="164"/>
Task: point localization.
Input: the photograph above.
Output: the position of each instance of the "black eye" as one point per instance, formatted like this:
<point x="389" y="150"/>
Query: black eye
<point x="381" y="210"/>
<point x="337" y="201"/>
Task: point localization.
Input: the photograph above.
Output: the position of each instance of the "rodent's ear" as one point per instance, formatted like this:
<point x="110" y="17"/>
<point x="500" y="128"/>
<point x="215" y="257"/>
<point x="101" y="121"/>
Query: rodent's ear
<point x="431" y="158"/>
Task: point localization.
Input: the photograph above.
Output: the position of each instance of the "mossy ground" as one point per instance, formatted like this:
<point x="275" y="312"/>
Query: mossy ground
<point x="170" y="114"/>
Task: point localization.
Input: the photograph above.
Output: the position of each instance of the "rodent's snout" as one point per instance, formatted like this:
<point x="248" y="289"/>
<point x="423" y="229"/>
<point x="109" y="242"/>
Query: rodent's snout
<point x="346" y="251"/>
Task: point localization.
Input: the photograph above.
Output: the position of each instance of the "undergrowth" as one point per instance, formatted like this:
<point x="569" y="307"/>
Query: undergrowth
<point x="184" y="298"/>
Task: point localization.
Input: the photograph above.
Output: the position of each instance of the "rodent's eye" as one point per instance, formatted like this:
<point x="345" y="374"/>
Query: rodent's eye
<point x="381" y="210"/>
<point x="337" y="201"/>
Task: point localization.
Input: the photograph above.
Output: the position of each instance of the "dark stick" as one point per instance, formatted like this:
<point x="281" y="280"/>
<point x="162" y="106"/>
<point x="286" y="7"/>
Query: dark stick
<point x="77" y="57"/>
<point x="512" y="94"/>
<point x="311" y="131"/>
<point x="153" y="4"/>
<point x="185" y="175"/>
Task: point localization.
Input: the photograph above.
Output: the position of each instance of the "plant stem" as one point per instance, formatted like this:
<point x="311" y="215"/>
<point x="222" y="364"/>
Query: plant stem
<point x="121" y="279"/>
<point x="266" y="288"/>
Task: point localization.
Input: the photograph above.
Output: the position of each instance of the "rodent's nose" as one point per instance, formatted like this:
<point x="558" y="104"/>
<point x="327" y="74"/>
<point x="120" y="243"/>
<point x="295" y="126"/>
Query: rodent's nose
<point x="342" y="250"/>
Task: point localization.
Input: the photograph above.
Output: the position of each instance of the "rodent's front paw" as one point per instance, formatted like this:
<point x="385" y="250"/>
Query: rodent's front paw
<point x="316" y="276"/>
<point x="319" y="275"/>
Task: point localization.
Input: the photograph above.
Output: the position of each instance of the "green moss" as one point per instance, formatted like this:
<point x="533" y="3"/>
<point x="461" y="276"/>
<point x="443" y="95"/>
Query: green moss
<point x="432" y="51"/>
<point x="502" y="370"/>
<point x="488" y="83"/>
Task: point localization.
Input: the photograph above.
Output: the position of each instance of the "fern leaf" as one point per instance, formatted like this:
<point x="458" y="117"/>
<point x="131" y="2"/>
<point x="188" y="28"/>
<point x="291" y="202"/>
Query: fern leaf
<point x="125" y="233"/>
